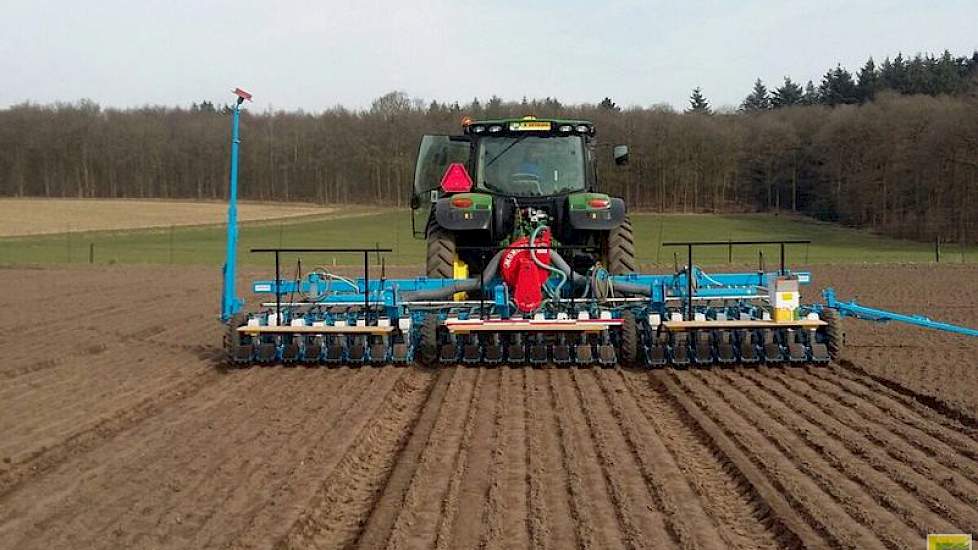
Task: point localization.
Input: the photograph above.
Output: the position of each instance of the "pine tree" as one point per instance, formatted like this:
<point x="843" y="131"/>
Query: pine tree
<point x="893" y="75"/>
<point x="811" y="96"/>
<point x="758" y="99"/>
<point x="787" y="95"/>
<point x="947" y="74"/>
<point x="610" y="105"/>
<point x="868" y="81"/>
<point x="838" y="88"/>
<point x="698" y="102"/>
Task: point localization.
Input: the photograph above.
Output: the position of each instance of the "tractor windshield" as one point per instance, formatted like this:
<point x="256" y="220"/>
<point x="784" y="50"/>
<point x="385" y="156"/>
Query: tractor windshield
<point x="531" y="166"/>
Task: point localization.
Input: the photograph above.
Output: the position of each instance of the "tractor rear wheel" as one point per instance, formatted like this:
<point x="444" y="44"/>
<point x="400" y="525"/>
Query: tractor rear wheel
<point x="621" y="249"/>
<point x="441" y="251"/>
<point x="834" y="337"/>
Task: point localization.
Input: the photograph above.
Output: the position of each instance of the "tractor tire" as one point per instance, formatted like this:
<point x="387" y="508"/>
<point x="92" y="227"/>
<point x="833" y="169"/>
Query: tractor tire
<point x="441" y="252"/>
<point x="621" y="249"/>
<point x="232" y="338"/>
<point x="629" y="340"/>
<point x="427" y="352"/>
<point x="834" y="337"/>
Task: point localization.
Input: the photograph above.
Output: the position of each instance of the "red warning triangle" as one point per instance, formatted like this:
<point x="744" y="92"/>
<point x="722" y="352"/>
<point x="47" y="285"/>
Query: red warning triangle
<point x="456" y="179"/>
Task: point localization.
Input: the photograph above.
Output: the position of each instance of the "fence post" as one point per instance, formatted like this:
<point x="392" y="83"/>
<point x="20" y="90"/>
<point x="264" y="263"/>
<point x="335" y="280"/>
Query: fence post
<point x="729" y="251"/>
<point x="937" y="249"/>
<point x="170" y="249"/>
<point x="91" y="253"/>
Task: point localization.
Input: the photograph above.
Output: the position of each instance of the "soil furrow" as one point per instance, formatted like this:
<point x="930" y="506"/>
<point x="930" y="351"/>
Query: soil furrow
<point x="899" y="490"/>
<point x="450" y="502"/>
<point x="818" y="509"/>
<point x="817" y="460"/>
<point x="45" y="459"/>
<point x="903" y="444"/>
<point x="598" y="490"/>
<point x="506" y="507"/>
<point x="955" y="498"/>
<point x="641" y="510"/>
<point x="554" y="520"/>
<point x="376" y="531"/>
<point x="349" y="492"/>
<point x="925" y="423"/>
<point x="417" y="522"/>
<point x="479" y="471"/>
<point x="694" y="469"/>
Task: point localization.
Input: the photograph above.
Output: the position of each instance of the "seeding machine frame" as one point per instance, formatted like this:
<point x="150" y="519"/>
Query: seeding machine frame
<point x="688" y="317"/>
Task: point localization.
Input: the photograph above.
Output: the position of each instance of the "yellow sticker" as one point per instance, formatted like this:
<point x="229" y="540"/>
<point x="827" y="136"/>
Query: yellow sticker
<point x="948" y="542"/>
<point x="529" y="126"/>
<point x="787" y="296"/>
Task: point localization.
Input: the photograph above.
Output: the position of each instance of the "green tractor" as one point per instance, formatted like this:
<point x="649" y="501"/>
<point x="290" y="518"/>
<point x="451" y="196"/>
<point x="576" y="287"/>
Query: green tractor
<point x="502" y="178"/>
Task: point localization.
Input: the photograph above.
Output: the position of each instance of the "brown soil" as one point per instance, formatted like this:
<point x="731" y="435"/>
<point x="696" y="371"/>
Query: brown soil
<point x="119" y="429"/>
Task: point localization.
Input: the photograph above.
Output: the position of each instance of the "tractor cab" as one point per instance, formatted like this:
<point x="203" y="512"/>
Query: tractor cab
<point x="501" y="179"/>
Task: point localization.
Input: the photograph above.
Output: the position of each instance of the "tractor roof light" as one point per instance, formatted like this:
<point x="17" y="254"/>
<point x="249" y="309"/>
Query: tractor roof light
<point x="583" y="128"/>
<point x="456" y="179"/>
<point x="478" y="129"/>
<point x="565" y="128"/>
<point x="495" y="128"/>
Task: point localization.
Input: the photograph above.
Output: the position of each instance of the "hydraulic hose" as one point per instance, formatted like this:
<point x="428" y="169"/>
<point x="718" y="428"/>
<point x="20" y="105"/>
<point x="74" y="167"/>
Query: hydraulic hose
<point x="578" y="279"/>
<point x="540" y="264"/>
<point x="462" y="285"/>
<point x="559" y="264"/>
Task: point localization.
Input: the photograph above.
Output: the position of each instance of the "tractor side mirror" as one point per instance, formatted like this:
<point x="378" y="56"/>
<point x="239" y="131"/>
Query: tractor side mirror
<point x="415" y="202"/>
<point x="621" y="154"/>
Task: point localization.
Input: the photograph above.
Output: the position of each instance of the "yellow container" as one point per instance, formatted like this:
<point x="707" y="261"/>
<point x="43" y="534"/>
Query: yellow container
<point x="460" y="270"/>
<point x="783" y="315"/>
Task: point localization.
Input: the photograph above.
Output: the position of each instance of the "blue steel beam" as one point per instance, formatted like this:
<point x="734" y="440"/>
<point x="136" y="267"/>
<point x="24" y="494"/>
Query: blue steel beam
<point x="230" y="302"/>
<point x="852" y="309"/>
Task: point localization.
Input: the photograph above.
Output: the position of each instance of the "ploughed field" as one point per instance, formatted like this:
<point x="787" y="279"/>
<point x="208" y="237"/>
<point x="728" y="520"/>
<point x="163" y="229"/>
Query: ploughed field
<point x="120" y="429"/>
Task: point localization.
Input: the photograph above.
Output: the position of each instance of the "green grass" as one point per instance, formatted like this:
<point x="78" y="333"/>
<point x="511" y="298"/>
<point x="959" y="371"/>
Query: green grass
<point x="392" y="229"/>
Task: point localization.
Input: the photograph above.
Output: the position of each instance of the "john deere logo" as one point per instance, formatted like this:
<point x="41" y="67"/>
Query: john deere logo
<point x="948" y="542"/>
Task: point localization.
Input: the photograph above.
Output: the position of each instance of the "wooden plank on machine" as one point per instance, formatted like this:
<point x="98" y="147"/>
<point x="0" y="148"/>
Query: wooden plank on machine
<point x="573" y="325"/>
<point x="735" y="324"/>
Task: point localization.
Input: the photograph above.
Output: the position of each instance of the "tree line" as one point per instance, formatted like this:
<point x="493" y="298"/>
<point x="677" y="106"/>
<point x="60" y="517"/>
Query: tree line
<point x="899" y="161"/>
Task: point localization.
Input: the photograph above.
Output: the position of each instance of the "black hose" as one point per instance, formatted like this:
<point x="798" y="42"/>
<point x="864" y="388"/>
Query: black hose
<point x="461" y="285"/>
<point x="489" y="273"/>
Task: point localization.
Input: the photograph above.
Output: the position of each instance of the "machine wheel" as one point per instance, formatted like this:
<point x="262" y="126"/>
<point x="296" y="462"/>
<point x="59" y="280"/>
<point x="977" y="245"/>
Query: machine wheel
<point x="629" y="340"/>
<point x="232" y="338"/>
<point x="427" y="352"/>
<point x="441" y="251"/>
<point x="834" y="338"/>
<point x="621" y="249"/>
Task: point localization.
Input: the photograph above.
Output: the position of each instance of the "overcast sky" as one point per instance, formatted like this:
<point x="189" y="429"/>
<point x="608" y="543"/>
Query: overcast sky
<point x="313" y="55"/>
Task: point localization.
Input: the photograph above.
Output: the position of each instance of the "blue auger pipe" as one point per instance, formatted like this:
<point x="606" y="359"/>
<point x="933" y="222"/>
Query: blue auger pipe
<point x="852" y="309"/>
<point x="230" y="302"/>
